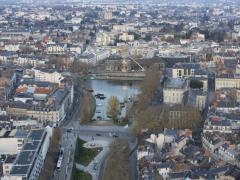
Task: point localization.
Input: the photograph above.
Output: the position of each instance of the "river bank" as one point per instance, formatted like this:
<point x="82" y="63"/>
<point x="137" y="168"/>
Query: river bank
<point x="103" y="90"/>
<point x="96" y="97"/>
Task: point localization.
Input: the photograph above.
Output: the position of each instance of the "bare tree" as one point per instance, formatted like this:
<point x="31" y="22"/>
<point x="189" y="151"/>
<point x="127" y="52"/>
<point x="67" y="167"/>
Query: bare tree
<point x="26" y="50"/>
<point x="149" y="87"/>
<point x="164" y="116"/>
<point x="118" y="164"/>
<point x="52" y="155"/>
<point x="88" y="108"/>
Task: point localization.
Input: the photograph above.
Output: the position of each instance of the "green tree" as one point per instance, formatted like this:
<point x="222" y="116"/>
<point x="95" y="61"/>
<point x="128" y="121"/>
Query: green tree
<point x="113" y="108"/>
<point x="148" y="37"/>
<point x="196" y="84"/>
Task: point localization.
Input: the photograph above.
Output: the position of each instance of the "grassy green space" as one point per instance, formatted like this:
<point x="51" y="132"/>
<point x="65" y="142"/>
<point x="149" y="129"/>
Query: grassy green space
<point x="122" y="123"/>
<point x="84" y="155"/>
<point x="80" y="175"/>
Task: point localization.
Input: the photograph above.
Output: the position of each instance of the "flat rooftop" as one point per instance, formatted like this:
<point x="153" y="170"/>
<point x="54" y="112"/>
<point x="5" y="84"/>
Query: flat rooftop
<point x="25" y="158"/>
<point x="175" y="83"/>
<point x="19" y="170"/>
<point x="32" y="146"/>
<point x="5" y="133"/>
<point x="59" y="95"/>
<point x="36" y="135"/>
<point x="33" y="82"/>
<point x="10" y="159"/>
<point x="186" y="66"/>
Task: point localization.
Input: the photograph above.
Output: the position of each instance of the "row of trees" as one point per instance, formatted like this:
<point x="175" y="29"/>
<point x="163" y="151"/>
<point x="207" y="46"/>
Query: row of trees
<point x="158" y="117"/>
<point x="79" y="67"/>
<point x="149" y="88"/>
<point x="88" y="108"/>
<point x="118" y="164"/>
<point x="215" y="35"/>
<point x="52" y="155"/>
<point x="164" y="116"/>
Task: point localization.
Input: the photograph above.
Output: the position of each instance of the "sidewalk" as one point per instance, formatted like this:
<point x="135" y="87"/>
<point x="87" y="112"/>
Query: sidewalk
<point x="94" y="166"/>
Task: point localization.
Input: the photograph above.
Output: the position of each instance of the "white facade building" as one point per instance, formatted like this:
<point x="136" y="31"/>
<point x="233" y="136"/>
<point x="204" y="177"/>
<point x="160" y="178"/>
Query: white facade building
<point x="104" y="38"/>
<point x="31" y="60"/>
<point x="228" y="81"/>
<point x="173" y="91"/>
<point x="56" y="49"/>
<point x="47" y="76"/>
<point x="126" y="37"/>
<point x="29" y="162"/>
<point x="12" y="47"/>
<point x="164" y="169"/>
<point x="226" y="153"/>
<point x="123" y="28"/>
<point x="11" y="142"/>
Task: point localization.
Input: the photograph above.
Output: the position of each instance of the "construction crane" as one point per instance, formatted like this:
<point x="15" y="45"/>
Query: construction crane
<point x="124" y="61"/>
<point x="142" y="68"/>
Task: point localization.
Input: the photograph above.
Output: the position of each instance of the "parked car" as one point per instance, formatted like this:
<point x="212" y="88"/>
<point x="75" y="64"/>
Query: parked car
<point x="69" y="130"/>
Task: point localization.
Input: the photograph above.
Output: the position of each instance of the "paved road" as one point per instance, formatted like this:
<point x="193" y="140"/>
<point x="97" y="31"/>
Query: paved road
<point x="94" y="167"/>
<point x="68" y="142"/>
<point x="86" y="132"/>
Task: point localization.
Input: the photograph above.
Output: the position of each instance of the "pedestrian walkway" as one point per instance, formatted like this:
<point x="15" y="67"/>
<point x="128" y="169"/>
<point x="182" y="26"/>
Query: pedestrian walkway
<point x="93" y="167"/>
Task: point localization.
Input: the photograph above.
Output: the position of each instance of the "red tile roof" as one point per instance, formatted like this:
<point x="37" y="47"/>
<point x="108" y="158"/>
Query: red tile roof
<point x="41" y="90"/>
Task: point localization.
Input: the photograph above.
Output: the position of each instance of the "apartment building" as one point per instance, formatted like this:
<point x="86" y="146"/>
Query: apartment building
<point x="126" y="37"/>
<point x="174" y="89"/>
<point x="211" y="142"/>
<point x="31" y="60"/>
<point x="105" y="38"/>
<point x="7" y="82"/>
<point x="188" y="70"/>
<point x="196" y="98"/>
<point x="228" y="81"/>
<point x="222" y="126"/>
<point x="54" y="110"/>
<point x="56" y="49"/>
<point x="30" y="160"/>
<point x="11" y="141"/>
<point x="47" y="75"/>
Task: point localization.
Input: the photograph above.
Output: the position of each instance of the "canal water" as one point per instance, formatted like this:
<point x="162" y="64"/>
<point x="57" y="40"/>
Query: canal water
<point x="123" y="90"/>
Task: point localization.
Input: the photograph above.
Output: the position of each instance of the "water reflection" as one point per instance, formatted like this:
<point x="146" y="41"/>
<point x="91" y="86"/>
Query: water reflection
<point x="122" y="90"/>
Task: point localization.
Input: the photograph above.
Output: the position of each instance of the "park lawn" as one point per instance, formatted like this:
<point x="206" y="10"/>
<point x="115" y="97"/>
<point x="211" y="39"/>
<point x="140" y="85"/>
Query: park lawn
<point x="84" y="176"/>
<point x="80" y="175"/>
<point x="85" y="155"/>
<point x="123" y="123"/>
